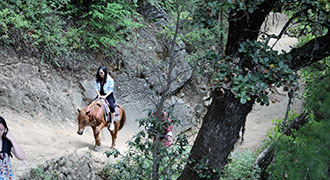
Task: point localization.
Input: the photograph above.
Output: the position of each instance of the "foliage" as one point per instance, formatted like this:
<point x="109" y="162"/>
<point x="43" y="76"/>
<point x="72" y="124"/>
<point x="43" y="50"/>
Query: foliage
<point x="310" y="17"/>
<point x="107" y="24"/>
<point x="247" y="76"/>
<point x="317" y="96"/>
<point x="203" y="168"/>
<point x="38" y="173"/>
<point x="240" y="5"/>
<point x="241" y="167"/>
<point x="250" y="62"/>
<point x="255" y="67"/>
<point x="197" y="32"/>
<point x="305" y="154"/>
<point x="252" y="75"/>
<point x="277" y="130"/>
<point x="167" y="5"/>
<point x="138" y="161"/>
<point x="37" y="26"/>
<point x="53" y="30"/>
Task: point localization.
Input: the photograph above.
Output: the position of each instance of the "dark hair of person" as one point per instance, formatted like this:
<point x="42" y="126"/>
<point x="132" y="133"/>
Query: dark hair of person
<point x="98" y="77"/>
<point x="3" y="122"/>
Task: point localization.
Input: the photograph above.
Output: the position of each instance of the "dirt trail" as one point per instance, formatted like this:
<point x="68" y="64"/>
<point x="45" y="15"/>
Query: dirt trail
<point x="259" y="121"/>
<point x="42" y="140"/>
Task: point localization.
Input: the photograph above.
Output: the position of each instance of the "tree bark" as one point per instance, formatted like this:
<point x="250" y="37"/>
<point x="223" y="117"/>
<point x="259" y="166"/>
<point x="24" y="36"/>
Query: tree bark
<point x="218" y="135"/>
<point x="244" y="26"/>
<point x="313" y="51"/>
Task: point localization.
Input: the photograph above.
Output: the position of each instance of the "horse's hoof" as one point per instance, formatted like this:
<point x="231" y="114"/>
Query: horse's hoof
<point x="96" y="148"/>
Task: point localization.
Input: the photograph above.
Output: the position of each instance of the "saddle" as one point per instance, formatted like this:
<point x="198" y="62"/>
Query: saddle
<point x="107" y="114"/>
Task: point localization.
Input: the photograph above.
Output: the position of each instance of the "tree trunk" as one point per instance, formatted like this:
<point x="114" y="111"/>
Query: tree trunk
<point x="217" y="136"/>
<point x="226" y="115"/>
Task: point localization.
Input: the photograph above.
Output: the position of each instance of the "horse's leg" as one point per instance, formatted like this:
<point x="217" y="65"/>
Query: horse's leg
<point x="114" y="134"/>
<point x="100" y="127"/>
<point x="113" y="144"/>
<point x="97" y="138"/>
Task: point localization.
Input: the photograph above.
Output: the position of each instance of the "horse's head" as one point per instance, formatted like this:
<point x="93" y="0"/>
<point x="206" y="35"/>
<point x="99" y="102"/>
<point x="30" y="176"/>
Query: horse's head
<point x="83" y="120"/>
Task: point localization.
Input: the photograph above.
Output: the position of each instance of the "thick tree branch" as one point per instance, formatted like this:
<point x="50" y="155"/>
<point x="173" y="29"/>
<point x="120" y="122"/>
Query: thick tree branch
<point x="244" y="25"/>
<point x="313" y="51"/>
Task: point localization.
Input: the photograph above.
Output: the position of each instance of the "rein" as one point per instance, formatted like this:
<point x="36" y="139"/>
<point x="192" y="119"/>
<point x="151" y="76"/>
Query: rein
<point x="93" y="117"/>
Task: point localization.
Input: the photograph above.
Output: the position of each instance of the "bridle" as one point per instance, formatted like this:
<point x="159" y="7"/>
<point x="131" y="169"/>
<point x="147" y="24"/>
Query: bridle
<point x="91" y="116"/>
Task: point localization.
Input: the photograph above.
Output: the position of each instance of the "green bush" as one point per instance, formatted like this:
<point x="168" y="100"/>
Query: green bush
<point x="138" y="162"/>
<point x="106" y="24"/>
<point x="316" y="95"/>
<point x="241" y="167"/>
<point x="305" y="153"/>
<point x="35" y="28"/>
<point x="53" y="30"/>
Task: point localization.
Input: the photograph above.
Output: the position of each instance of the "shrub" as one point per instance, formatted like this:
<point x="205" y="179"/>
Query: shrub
<point x="53" y="30"/>
<point x="241" y="167"/>
<point x="138" y="162"/>
<point x="305" y="154"/>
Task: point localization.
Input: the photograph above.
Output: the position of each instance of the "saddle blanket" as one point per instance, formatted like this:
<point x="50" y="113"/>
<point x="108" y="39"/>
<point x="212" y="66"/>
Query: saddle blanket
<point x="107" y="112"/>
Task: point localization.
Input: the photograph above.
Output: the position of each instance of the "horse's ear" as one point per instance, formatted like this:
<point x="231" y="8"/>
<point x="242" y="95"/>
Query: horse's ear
<point x="78" y="110"/>
<point x="87" y="113"/>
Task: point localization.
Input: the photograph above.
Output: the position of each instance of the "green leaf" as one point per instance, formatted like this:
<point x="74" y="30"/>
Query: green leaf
<point x="243" y="100"/>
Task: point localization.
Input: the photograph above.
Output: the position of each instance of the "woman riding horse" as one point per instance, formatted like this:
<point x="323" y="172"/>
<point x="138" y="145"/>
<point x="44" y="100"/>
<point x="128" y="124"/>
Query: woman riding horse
<point x="104" y="86"/>
<point x="93" y="115"/>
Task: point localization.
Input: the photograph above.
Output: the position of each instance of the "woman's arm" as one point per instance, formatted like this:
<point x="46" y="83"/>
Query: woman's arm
<point x="96" y="86"/>
<point x="105" y="96"/>
<point x="16" y="149"/>
<point x="98" y="93"/>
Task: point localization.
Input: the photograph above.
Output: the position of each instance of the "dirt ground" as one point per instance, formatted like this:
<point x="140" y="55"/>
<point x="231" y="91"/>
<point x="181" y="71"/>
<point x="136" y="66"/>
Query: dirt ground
<point x="43" y="139"/>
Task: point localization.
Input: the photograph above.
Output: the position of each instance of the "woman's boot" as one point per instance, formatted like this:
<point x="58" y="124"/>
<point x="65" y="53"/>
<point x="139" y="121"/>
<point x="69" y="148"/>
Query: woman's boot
<point x="112" y="125"/>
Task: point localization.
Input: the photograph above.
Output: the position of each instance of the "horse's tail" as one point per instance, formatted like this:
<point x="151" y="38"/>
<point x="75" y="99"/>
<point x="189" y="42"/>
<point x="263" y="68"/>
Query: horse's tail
<point x="123" y="118"/>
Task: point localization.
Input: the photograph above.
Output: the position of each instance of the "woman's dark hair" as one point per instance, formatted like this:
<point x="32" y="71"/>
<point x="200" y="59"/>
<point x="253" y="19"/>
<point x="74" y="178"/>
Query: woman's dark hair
<point x="98" y="77"/>
<point x="3" y="122"/>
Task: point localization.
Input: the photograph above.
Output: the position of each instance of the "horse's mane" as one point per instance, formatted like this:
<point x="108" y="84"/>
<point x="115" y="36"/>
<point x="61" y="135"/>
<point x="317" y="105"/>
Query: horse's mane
<point x="93" y="103"/>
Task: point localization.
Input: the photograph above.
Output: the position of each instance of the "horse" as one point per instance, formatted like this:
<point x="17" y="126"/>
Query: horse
<point x="93" y="115"/>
